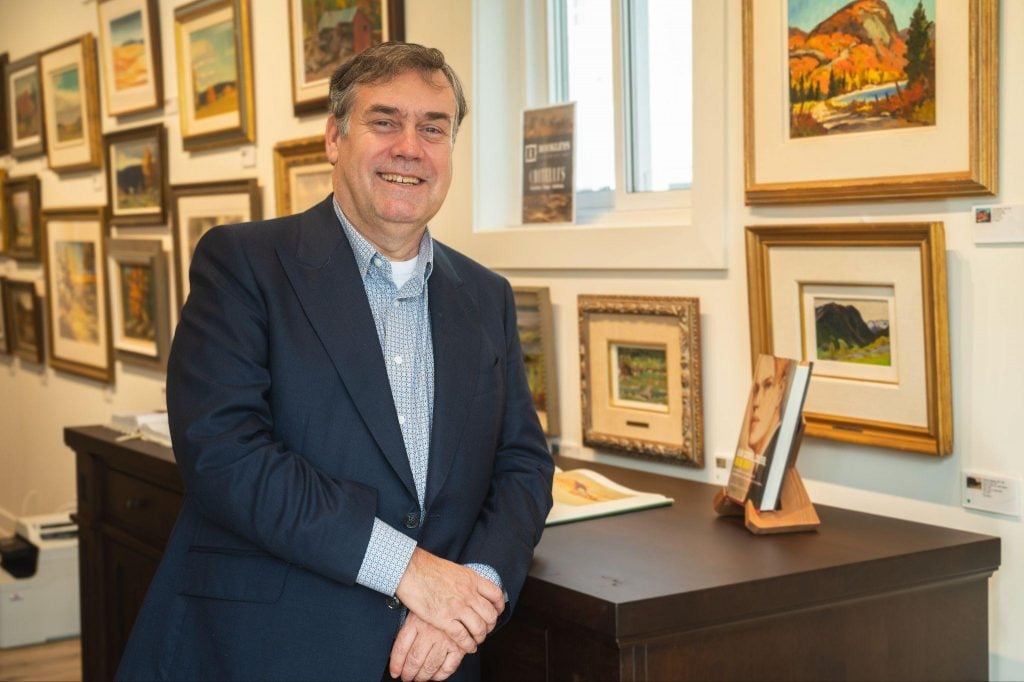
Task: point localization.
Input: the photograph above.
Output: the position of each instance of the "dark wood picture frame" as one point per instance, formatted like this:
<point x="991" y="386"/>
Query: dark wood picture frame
<point x="14" y="238"/>
<point x="147" y="178"/>
<point x="24" y="326"/>
<point x="30" y="142"/>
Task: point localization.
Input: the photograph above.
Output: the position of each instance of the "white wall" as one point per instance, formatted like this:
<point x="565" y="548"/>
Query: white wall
<point x="986" y="316"/>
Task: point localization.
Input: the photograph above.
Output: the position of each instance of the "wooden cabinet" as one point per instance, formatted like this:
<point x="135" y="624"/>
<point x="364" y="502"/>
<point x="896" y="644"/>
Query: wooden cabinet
<point x="129" y="495"/>
<point x="675" y="593"/>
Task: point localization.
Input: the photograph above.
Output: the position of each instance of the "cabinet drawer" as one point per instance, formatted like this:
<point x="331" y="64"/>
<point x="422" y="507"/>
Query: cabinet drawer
<point x="139" y="507"/>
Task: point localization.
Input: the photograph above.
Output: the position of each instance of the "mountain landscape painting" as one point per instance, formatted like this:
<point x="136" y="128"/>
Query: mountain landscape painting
<point x="852" y="330"/>
<point x="860" y="66"/>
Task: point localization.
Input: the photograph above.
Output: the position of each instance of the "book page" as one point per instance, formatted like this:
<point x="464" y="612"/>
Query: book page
<point x="581" y="494"/>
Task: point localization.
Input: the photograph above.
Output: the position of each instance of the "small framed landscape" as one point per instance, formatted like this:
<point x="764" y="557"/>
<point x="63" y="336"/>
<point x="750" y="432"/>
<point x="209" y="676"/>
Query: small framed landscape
<point x="302" y="174"/>
<point x="215" y="83"/>
<point x="536" y="335"/>
<point x="326" y="33"/>
<point x="640" y="376"/>
<point x="76" y="292"/>
<point x="24" y="312"/>
<point x="877" y="334"/>
<point x="197" y="208"/>
<point x="137" y="272"/>
<point x="891" y="100"/>
<point x="130" y="47"/>
<point x="136" y="175"/>
<point x="71" y="105"/>
<point x="22" y="236"/>
<point x="26" y="134"/>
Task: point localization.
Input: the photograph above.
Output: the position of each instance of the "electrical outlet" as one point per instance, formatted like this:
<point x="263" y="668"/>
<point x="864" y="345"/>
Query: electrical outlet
<point x="991" y="492"/>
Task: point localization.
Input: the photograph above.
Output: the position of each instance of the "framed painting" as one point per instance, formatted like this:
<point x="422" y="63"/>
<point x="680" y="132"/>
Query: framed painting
<point x="5" y="139"/>
<point x="71" y="105"/>
<point x="878" y="334"/>
<point x="24" y="107"/>
<point x="137" y="277"/>
<point x="851" y="102"/>
<point x="302" y="174"/>
<point x="76" y="292"/>
<point x="5" y="337"/>
<point x="537" y="338"/>
<point x="196" y="208"/>
<point x="326" y="33"/>
<point x="640" y="376"/>
<point x="22" y="234"/>
<point x="24" y="312"/>
<point x="215" y="84"/>
<point x="136" y="162"/>
<point x="130" y="48"/>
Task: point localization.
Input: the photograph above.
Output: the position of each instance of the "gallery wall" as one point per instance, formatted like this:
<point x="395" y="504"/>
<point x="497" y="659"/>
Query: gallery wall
<point x="985" y="314"/>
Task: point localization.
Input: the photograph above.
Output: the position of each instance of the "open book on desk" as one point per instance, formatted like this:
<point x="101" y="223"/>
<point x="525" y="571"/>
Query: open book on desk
<point x="584" y="494"/>
<point x="151" y="426"/>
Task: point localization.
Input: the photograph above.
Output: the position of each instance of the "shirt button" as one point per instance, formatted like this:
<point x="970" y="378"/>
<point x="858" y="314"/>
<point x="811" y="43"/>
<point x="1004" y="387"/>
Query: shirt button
<point x="412" y="520"/>
<point x="398" y="359"/>
<point x="396" y="303"/>
<point x="392" y="603"/>
<point x="378" y="262"/>
<point x="401" y="420"/>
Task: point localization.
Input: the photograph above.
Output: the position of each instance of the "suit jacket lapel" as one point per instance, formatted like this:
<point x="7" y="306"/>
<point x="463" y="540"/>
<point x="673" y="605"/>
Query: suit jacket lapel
<point x="457" y="341"/>
<point x="326" y="280"/>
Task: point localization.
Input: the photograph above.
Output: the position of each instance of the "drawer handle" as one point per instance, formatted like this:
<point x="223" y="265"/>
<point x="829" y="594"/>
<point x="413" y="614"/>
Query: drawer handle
<point x="134" y="503"/>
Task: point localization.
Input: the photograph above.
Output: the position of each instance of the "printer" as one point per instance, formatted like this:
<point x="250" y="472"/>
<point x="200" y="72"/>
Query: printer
<point x="39" y="581"/>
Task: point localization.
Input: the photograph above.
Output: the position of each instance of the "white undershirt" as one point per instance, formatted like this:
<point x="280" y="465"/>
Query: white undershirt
<point x="401" y="271"/>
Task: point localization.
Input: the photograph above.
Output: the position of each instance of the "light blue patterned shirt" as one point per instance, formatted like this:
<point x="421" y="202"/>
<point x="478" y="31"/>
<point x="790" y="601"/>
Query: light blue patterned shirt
<point x="402" y="317"/>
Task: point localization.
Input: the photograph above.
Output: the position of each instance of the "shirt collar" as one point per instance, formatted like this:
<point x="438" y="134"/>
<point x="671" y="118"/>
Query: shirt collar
<point x="365" y="252"/>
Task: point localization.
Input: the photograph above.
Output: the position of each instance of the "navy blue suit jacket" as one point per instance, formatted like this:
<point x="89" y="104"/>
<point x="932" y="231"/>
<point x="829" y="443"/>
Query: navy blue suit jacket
<point x="288" y="442"/>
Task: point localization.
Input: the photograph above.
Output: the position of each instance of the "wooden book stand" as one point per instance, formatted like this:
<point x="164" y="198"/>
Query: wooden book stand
<point x="796" y="513"/>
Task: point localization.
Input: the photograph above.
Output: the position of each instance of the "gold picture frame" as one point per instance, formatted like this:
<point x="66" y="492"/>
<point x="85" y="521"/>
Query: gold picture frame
<point x="197" y="208"/>
<point x="139" y="306"/>
<point x="71" y="105"/>
<point x="640" y="376"/>
<point x="26" y="131"/>
<point x="949" y="147"/>
<point x="213" y="44"/>
<point x="537" y="338"/>
<point x="888" y="385"/>
<point x="317" y="47"/>
<point x="76" y="292"/>
<point x="302" y="174"/>
<point x="129" y="37"/>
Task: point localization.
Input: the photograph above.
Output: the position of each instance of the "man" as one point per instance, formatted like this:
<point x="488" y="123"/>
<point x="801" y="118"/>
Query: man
<point x="365" y="475"/>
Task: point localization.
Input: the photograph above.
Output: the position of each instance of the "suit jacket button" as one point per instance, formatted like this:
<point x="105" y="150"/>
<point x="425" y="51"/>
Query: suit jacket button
<point x="412" y="520"/>
<point x="392" y="602"/>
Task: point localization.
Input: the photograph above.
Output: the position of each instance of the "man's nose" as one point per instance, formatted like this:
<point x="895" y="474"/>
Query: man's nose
<point x="408" y="145"/>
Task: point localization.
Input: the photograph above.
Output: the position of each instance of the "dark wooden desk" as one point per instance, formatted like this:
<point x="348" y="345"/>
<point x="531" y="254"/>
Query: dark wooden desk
<point x="677" y="593"/>
<point x="665" y="594"/>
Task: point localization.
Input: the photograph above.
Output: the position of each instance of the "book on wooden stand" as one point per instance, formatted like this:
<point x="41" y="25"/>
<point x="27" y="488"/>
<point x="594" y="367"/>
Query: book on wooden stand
<point x="764" y="485"/>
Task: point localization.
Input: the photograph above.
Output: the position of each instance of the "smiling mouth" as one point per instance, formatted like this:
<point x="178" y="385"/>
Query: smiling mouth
<point x="399" y="179"/>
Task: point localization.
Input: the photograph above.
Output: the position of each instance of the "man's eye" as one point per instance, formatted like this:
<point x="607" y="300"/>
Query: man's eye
<point x="383" y="124"/>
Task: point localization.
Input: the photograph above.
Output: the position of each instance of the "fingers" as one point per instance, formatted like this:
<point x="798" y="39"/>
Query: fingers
<point x="422" y="652"/>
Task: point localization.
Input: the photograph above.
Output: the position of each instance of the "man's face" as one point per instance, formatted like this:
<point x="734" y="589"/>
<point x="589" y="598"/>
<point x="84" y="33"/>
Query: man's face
<point x="393" y="167"/>
<point x="767" y="401"/>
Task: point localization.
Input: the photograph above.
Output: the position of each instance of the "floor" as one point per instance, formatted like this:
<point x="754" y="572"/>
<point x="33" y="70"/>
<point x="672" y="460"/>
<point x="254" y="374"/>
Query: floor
<point x="53" y="662"/>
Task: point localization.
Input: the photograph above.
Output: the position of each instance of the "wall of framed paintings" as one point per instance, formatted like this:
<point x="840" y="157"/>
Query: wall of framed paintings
<point x="239" y="167"/>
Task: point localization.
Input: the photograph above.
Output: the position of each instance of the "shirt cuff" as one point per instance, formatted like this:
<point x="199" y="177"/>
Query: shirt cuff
<point x="485" y="571"/>
<point x="387" y="556"/>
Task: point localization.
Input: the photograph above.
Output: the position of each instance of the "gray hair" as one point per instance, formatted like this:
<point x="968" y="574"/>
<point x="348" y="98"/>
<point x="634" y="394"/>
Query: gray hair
<point x="381" y="63"/>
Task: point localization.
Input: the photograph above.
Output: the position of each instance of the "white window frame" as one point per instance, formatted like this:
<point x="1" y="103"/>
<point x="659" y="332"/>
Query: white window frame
<point x="648" y="230"/>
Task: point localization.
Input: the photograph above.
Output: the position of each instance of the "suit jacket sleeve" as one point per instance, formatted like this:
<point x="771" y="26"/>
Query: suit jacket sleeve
<point x="222" y="426"/>
<point x="512" y="519"/>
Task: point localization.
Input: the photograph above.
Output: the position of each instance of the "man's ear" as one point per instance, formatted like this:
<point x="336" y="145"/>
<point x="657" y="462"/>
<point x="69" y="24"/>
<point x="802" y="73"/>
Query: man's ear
<point x="331" y="140"/>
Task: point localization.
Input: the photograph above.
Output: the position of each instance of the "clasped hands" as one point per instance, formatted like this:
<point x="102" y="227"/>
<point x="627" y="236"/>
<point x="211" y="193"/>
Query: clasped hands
<point x="452" y="609"/>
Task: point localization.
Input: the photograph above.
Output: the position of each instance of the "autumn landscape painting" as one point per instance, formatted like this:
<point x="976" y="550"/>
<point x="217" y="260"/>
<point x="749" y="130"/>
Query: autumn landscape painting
<point x="859" y="66"/>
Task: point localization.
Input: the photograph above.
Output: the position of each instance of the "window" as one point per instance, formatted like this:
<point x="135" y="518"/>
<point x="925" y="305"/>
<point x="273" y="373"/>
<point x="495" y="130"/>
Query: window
<point x="647" y="197"/>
